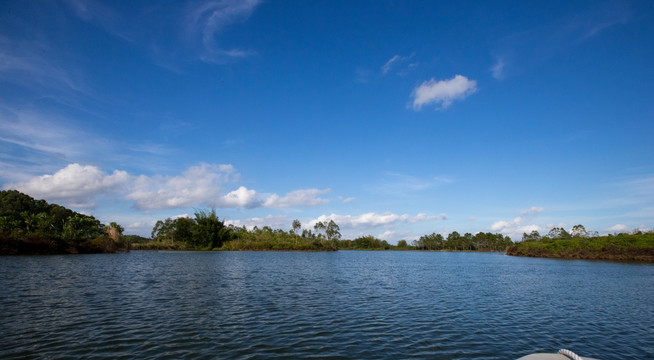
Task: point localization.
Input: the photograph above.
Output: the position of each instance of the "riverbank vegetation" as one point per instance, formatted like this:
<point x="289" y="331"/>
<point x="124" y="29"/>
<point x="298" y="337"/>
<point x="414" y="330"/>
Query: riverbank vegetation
<point x="206" y="232"/>
<point x="29" y="226"/>
<point x="580" y="244"/>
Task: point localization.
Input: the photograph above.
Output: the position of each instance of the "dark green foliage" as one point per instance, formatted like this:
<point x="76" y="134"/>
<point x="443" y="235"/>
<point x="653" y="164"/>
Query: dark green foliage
<point x="432" y="241"/>
<point x="370" y="242"/>
<point x="29" y="226"/>
<point x="204" y="232"/>
<point x="209" y="232"/>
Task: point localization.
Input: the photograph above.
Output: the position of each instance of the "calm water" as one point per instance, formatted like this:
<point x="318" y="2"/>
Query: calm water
<point x="349" y="305"/>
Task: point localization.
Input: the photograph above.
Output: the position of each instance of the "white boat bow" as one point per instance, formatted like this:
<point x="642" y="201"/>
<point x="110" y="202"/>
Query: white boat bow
<point x="563" y="354"/>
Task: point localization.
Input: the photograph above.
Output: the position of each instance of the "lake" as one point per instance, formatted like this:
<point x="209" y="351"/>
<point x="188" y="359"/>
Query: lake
<point x="336" y="305"/>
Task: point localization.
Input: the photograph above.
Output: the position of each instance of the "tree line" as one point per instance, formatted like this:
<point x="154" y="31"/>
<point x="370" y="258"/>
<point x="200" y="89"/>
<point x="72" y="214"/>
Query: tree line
<point x="466" y="242"/>
<point x="577" y="231"/>
<point x="205" y="231"/>
<point x="578" y="243"/>
<point x="33" y="226"/>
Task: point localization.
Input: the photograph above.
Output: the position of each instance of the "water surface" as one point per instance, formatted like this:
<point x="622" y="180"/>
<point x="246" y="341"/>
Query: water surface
<point x="346" y="304"/>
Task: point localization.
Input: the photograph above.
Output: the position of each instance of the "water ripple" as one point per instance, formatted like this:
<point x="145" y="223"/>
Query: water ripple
<point x="345" y="305"/>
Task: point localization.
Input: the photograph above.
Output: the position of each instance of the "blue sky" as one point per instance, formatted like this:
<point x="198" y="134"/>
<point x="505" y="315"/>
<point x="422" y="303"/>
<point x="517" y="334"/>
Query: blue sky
<point x="394" y="118"/>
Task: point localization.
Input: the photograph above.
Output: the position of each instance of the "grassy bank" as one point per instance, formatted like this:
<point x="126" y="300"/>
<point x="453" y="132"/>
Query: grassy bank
<point x="622" y="247"/>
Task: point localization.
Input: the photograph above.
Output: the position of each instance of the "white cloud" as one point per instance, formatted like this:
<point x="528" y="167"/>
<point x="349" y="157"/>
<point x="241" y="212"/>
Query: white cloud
<point x="372" y="219"/>
<point x="498" y="69"/>
<point x="208" y="19"/>
<point x="201" y="185"/>
<point x="241" y="197"/>
<point x="197" y="185"/>
<point x="394" y="236"/>
<point x="75" y="185"/>
<point x="443" y="92"/>
<point x="618" y="228"/>
<point x="348" y="200"/>
<point x="274" y="221"/>
<point x="303" y="197"/>
<point x="389" y="64"/>
<point x="386" y="235"/>
<point x="532" y="210"/>
<point x="424" y="217"/>
<point x="395" y="61"/>
<point x="514" y="228"/>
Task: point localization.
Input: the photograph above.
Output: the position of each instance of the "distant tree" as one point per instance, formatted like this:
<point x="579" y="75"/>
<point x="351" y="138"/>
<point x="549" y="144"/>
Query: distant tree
<point x="306" y="233"/>
<point x="534" y="235"/>
<point x="402" y="244"/>
<point x="183" y="229"/>
<point x="454" y="241"/>
<point x="558" y="233"/>
<point x="79" y="227"/>
<point x="332" y="231"/>
<point x="319" y="227"/>
<point x="367" y="242"/>
<point x="209" y="230"/>
<point x="115" y="231"/>
<point x="296" y="227"/>
<point x="578" y="231"/>
<point x="432" y="241"/>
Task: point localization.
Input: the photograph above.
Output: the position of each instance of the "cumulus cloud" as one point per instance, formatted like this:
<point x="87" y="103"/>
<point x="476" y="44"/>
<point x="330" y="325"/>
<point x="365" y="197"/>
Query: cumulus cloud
<point x="303" y="197"/>
<point x="443" y="92"/>
<point x="75" y="185"/>
<point x="197" y="185"/>
<point x="618" y="228"/>
<point x="514" y="227"/>
<point x="202" y="185"/>
<point x="241" y="197"/>
<point x="532" y="210"/>
<point x="274" y="221"/>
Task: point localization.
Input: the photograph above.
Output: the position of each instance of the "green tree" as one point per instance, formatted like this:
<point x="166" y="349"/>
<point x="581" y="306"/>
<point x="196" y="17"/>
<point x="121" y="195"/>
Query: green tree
<point x="332" y="231"/>
<point x="80" y="227"/>
<point x="209" y="230"/>
<point x="578" y="231"/>
<point x="319" y="227"/>
<point x="296" y="226"/>
<point x="367" y="242"/>
<point x="432" y="241"/>
<point x="454" y="241"/>
<point x="558" y="233"/>
<point x="533" y="236"/>
<point x="183" y="228"/>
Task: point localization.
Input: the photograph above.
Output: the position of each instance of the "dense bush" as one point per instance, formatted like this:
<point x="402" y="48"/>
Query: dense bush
<point x="29" y="226"/>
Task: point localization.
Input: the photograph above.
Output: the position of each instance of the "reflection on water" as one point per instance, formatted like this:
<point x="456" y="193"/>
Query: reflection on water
<point x="344" y="304"/>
